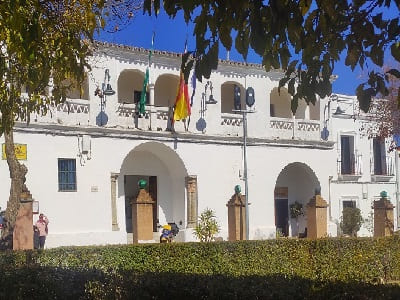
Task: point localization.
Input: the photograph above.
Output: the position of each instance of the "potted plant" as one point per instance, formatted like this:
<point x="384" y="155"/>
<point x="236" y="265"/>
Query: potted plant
<point x="296" y="210"/>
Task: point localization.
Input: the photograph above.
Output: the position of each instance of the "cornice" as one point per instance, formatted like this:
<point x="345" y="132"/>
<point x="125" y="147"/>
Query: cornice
<point x="186" y="137"/>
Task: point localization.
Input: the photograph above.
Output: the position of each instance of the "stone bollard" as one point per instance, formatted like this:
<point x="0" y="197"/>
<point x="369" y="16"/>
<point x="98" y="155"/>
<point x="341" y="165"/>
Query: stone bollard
<point x="383" y="216"/>
<point x="142" y="215"/>
<point x="23" y="229"/>
<point x="317" y="223"/>
<point x="236" y="216"/>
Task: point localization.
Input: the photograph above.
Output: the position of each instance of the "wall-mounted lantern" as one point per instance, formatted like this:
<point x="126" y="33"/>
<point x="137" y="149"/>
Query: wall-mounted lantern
<point x="106" y="90"/>
<point x="211" y="99"/>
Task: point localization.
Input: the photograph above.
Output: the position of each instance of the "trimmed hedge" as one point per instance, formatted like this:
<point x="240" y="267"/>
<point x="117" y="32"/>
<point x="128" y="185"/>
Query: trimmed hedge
<point x="273" y="269"/>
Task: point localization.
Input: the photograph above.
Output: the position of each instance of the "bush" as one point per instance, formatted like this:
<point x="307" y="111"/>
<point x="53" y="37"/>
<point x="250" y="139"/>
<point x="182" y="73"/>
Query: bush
<point x="351" y="221"/>
<point x="207" y="226"/>
<point x="272" y="269"/>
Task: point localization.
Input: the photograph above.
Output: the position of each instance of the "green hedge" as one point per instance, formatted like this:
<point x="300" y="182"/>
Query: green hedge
<point x="274" y="269"/>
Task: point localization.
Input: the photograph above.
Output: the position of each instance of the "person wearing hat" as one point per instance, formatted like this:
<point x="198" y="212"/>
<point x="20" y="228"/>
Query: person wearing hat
<point x="41" y="226"/>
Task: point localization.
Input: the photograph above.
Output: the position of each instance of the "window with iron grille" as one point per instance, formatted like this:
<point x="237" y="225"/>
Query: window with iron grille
<point x="66" y="175"/>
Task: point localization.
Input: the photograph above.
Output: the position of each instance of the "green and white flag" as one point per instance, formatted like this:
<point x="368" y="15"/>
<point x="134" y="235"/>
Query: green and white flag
<point x="142" y="102"/>
<point x="143" y="96"/>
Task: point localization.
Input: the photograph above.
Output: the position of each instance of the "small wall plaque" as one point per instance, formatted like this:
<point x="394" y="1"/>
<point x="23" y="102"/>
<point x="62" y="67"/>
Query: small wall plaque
<point x="35" y="207"/>
<point x="94" y="189"/>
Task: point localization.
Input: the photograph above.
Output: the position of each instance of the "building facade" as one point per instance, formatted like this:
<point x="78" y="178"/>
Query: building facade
<point x="86" y="156"/>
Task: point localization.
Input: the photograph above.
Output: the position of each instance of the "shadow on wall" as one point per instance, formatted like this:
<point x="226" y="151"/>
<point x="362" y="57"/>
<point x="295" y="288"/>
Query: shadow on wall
<point x="70" y="283"/>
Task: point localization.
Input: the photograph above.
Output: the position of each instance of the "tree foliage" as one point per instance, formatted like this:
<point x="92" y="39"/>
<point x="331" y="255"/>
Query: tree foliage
<point x="44" y="47"/>
<point x="40" y="42"/>
<point x="383" y="119"/>
<point x="304" y="38"/>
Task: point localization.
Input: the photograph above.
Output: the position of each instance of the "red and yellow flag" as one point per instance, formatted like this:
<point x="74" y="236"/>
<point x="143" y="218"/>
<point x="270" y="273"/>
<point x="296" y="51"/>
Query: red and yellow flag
<point x="182" y="105"/>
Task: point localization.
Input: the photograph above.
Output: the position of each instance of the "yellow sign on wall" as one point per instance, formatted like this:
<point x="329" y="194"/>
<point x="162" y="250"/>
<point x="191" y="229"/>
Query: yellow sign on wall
<point x="21" y="151"/>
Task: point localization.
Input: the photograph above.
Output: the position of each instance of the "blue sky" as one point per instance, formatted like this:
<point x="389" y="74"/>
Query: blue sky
<point x="170" y="35"/>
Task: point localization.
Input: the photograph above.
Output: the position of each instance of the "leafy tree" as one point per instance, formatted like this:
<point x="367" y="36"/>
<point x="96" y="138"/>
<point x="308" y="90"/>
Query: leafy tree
<point x="207" y="226"/>
<point x="44" y="47"/>
<point x="351" y="221"/>
<point x="383" y="119"/>
<point x="304" y="38"/>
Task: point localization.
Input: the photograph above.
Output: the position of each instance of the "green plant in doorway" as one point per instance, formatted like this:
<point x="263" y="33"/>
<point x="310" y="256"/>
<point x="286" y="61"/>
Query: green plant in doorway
<point x="296" y="210"/>
<point x="207" y="226"/>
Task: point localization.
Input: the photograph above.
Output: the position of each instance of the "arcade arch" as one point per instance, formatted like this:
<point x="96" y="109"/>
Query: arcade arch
<point x="296" y="182"/>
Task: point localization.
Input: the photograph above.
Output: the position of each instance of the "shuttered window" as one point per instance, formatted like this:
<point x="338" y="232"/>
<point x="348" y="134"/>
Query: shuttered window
<point x="66" y="175"/>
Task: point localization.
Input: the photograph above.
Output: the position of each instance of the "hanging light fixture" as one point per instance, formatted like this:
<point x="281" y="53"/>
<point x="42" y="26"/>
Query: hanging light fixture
<point x="339" y="111"/>
<point x="211" y="99"/>
<point x="108" y="91"/>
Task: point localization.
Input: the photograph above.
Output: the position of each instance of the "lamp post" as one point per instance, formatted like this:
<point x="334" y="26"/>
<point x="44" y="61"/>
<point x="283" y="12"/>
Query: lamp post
<point x="250" y="102"/>
<point x="106" y="90"/>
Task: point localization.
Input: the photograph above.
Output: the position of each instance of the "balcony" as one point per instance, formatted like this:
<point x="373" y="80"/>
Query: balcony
<point x="295" y="129"/>
<point x="231" y="124"/>
<point x="72" y="112"/>
<point x="350" y="168"/>
<point x="383" y="170"/>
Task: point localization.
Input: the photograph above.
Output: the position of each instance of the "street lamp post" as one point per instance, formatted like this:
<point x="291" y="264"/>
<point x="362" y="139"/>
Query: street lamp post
<point x="250" y="102"/>
<point x="245" y="177"/>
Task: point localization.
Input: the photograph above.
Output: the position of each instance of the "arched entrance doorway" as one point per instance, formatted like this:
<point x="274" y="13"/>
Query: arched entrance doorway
<point x="297" y="182"/>
<point x="165" y="172"/>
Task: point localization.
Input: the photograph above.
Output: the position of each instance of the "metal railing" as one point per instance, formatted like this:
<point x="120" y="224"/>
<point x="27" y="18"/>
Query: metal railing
<point x="386" y="168"/>
<point x="352" y="166"/>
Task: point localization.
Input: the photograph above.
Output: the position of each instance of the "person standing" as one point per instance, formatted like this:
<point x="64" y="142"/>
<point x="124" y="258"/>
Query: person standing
<point x="41" y="226"/>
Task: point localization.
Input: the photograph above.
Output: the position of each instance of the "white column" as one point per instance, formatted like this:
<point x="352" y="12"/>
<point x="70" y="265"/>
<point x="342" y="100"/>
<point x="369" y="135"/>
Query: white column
<point x="307" y="112"/>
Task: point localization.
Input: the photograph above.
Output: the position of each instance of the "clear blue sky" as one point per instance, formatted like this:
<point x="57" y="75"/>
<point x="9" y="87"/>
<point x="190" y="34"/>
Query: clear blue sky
<point x="170" y="35"/>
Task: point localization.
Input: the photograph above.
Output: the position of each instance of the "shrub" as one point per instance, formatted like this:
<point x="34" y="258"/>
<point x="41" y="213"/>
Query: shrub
<point x="272" y="269"/>
<point x="207" y="226"/>
<point x="351" y="221"/>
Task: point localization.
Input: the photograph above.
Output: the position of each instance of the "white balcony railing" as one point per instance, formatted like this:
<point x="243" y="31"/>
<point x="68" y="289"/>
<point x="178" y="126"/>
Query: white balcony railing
<point x="231" y="124"/>
<point x="71" y="112"/>
<point x="386" y="168"/>
<point x="295" y="129"/>
<point x="351" y="167"/>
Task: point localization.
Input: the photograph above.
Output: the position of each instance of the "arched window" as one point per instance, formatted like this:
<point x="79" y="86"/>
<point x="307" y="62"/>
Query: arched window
<point x="280" y="103"/>
<point x="230" y="90"/>
<point x="130" y="85"/>
<point x="165" y="90"/>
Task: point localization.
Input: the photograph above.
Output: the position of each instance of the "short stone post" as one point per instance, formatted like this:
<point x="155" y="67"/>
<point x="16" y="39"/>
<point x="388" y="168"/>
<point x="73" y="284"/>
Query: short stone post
<point x="236" y="216"/>
<point x="142" y="214"/>
<point x="383" y="216"/>
<point x="23" y="229"/>
<point x="317" y="224"/>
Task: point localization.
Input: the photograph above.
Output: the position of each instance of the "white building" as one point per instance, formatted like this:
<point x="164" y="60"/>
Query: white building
<point x="85" y="158"/>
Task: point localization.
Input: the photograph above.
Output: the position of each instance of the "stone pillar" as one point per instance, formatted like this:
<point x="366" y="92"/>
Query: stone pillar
<point x="237" y="217"/>
<point x="191" y="188"/>
<point x="114" y="219"/>
<point x="153" y="112"/>
<point x="23" y="229"/>
<point x="317" y="222"/>
<point x="383" y="216"/>
<point x="142" y="215"/>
